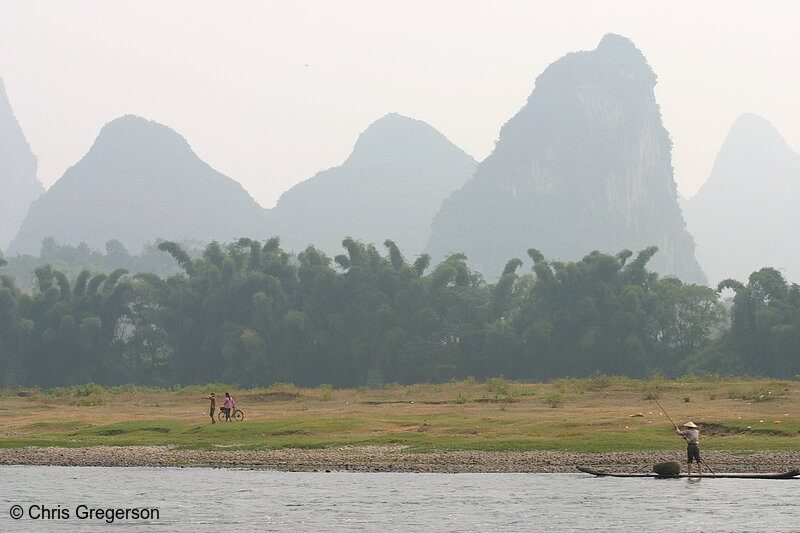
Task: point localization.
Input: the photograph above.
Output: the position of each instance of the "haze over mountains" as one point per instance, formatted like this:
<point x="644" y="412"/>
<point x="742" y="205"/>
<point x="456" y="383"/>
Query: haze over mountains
<point x="743" y="216"/>
<point x="584" y="165"/>
<point x="140" y="181"/>
<point x="18" y="183"/>
<point x="390" y="187"/>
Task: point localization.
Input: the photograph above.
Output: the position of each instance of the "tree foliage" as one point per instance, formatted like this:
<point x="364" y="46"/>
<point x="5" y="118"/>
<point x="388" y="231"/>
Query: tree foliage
<point x="250" y="313"/>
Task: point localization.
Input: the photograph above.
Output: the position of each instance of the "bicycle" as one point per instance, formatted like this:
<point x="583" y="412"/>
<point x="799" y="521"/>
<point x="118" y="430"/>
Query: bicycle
<point x="236" y="414"/>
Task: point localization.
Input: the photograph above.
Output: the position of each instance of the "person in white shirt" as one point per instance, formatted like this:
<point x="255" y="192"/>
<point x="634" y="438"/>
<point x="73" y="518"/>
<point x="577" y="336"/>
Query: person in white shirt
<point x="692" y="436"/>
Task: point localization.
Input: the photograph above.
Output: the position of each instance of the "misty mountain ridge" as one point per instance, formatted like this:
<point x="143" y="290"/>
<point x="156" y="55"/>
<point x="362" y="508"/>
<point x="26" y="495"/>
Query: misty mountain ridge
<point x="584" y="165"/>
<point x="140" y="181"/>
<point x="390" y="186"/>
<point x="743" y="215"/>
<point x="18" y="183"/>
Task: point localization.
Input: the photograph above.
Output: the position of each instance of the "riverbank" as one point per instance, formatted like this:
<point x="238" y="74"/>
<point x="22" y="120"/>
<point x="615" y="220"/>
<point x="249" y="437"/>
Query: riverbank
<point x="390" y="459"/>
<point x="498" y="426"/>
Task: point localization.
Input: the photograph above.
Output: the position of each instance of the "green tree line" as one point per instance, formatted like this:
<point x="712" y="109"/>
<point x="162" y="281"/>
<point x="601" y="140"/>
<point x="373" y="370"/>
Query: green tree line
<point x="248" y="312"/>
<point x="71" y="260"/>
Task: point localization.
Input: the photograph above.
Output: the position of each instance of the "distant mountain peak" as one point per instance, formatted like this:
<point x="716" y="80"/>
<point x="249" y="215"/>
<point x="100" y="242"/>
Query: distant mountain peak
<point x="13" y="144"/>
<point x="395" y="135"/>
<point x="614" y="43"/>
<point x="18" y="183"/>
<point x="141" y="181"/>
<point x="754" y="130"/>
<point x="744" y="215"/>
<point x="135" y="126"/>
<point x="753" y="149"/>
<point x="584" y="165"/>
<point x="390" y="186"/>
<point x="130" y="138"/>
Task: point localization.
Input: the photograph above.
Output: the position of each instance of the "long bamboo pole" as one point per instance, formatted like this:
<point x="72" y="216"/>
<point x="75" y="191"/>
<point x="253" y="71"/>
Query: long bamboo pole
<point x="653" y="396"/>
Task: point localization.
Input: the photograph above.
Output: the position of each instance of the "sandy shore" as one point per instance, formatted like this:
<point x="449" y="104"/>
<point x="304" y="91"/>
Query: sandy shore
<point x="391" y="459"/>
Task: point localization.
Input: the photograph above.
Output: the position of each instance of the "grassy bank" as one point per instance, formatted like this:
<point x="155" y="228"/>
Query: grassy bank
<point x="600" y="414"/>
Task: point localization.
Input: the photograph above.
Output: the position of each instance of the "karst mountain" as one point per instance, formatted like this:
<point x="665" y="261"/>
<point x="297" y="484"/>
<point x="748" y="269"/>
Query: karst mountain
<point x="139" y="182"/>
<point x="584" y="165"/>
<point x="18" y="183"/>
<point x="745" y="215"/>
<point x="391" y="185"/>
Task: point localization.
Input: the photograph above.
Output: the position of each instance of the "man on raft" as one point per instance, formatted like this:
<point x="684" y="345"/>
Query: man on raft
<point x="692" y="436"/>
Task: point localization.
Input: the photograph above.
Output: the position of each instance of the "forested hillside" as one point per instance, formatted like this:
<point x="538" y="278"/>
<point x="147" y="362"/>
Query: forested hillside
<point x="247" y="312"/>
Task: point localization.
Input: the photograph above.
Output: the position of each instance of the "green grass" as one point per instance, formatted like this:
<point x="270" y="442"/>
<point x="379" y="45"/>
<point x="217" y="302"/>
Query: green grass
<point x="435" y="433"/>
<point x="588" y="415"/>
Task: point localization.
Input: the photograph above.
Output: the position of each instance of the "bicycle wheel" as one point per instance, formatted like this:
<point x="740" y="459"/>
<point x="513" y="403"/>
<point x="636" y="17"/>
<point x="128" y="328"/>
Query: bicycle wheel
<point x="238" y="415"/>
<point x="221" y="416"/>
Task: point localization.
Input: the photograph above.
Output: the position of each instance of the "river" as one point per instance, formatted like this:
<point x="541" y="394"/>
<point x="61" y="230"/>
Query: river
<point x="53" y="499"/>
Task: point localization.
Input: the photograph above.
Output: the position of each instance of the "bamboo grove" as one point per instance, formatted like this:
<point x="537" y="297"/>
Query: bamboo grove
<point x="248" y="312"/>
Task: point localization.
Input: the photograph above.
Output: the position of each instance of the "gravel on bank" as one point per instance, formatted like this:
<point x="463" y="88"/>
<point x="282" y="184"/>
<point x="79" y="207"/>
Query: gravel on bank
<point x="392" y="459"/>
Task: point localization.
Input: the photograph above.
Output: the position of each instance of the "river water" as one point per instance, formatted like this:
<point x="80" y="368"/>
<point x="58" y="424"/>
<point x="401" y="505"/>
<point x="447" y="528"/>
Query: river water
<point x="226" y="500"/>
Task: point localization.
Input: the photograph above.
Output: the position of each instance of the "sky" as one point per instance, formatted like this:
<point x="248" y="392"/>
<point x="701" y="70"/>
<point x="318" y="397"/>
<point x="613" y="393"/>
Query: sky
<point x="271" y="92"/>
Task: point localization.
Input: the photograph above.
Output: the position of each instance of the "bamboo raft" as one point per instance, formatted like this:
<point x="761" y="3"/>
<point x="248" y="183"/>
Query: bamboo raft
<point x="791" y="474"/>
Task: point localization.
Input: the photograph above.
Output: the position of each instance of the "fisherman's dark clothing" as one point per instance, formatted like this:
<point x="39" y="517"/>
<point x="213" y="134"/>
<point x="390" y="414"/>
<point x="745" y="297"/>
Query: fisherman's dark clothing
<point x="692" y="437"/>
<point x="692" y="453"/>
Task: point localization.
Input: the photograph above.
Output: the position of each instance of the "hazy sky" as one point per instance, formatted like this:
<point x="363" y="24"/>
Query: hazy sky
<point x="271" y="92"/>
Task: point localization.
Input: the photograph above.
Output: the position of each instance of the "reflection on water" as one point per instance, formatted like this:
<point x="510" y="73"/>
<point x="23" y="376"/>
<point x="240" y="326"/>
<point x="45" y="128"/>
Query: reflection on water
<point x="201" y="499"/>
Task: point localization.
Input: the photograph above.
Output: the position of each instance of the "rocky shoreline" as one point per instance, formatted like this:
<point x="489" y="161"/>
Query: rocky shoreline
<point x="391" y="459"/>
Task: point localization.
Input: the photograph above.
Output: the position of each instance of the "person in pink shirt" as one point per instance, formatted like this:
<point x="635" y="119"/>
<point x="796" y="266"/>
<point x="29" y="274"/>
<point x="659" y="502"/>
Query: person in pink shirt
<point x="227" y="405"/>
